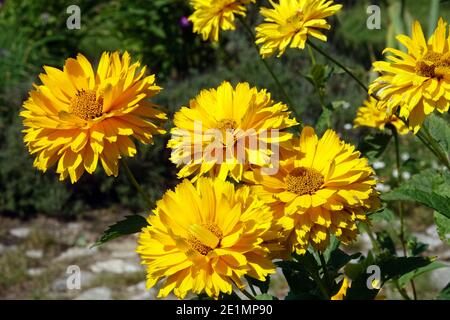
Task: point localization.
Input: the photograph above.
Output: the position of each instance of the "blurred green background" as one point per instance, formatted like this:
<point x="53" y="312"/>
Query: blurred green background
<point x="34" y="33"/>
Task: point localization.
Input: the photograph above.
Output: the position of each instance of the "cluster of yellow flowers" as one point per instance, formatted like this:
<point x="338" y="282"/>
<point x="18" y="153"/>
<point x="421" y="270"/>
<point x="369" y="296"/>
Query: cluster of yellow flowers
<point x="208" y="233"/>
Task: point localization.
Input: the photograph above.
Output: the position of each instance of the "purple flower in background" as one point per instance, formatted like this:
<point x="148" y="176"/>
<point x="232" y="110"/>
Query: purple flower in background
<point x="184" y="22"/>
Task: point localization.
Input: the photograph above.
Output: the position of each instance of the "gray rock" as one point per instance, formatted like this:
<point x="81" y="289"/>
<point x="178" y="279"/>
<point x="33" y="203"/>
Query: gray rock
<point x="59" y="285"/>
<point x="99" y="293"/>
<point x="439" y="278"/>
<point x="20" y="233"/>
<point x="115" y="266"/>
<point x="35" y="272"/>
<point x="75" y="252"/>
<point x="34" y="254"/>
<point x="140" y="292"/>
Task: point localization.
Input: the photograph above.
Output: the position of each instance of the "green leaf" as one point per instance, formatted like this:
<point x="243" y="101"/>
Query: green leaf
<point x="445" y="293"/>
<point x="404" y="279"/>
<point x="131" y="224"/>
<point x="386" y="242"/>
<point x="383" y="215"/>
<point x="325" y="120"/>
<point x="430" y="188"/>
<point x="391" y="267"/>
<point x="439" y="130"/>
<point x="373" y="146"/>
<point x="443" y="226"/>
<point x="264" y="296"/>
<point x="416" y="247"/>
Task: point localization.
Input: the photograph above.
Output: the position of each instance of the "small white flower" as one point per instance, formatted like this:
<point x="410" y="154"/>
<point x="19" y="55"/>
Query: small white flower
<point x="395" y="173"/>
<point x="378" y="165"/>
<point x="406" y="175"/>
<point x="383" y="187"/>
<point x="348" y="126"/>
<point x="405" y="156"/>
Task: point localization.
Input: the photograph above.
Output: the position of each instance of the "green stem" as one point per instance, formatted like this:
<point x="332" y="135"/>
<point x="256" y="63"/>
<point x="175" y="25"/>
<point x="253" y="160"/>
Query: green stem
<point x="325" y="271"/>
<point x="340" y="65"/>
<point x="441" y="153"/>
<point x="134" y="182"/>
<point x="400" y="204"/>
<point x="247" y="294"/>
<point x="314" y="273"/>
<point x="401" y="291"/>
<point x="269" y="69"/>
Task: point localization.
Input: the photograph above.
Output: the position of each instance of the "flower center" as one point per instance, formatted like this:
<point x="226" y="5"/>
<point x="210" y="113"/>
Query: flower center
<point x="226" y="124"/>
<point x="294" y="22"/>
<point x="304" y="181"/>
<point x="86" y="106"/>
<point x="434" y="65"/>
<point x="204" y="238"/>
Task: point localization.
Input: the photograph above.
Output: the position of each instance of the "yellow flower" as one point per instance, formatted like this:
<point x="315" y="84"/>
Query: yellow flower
<point x="417" y="81"/>
<point x="211" y="16"/>
<point x="290" y="22"/>
<point x="324" y="188"/>
<point x="78" y="117"/>
<point x="373" y="114"/>
<point x="207" y="237"/>
<point x="343" y="290"/>
<point x="225" y="130"/>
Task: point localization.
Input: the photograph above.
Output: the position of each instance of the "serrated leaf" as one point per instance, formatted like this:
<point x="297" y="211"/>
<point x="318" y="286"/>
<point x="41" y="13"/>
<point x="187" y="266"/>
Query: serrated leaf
<point x="131" y="224"/>
<point x="439" y="130"/>
<point x="430" y="188"/>
<point x="443" y="226"/>
<point x="404" y="279"/>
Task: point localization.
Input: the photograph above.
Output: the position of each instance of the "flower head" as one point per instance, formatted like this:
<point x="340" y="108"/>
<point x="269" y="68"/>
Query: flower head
<point x="207" y="237"/>
<point x="79" y="117"/>
<point x="225" y="130"/>
<point x="373" y="114"/>
<point x="290" y="22"/>
<point x="324" y="188"/>
<point x="417" y="81"/>
<point x="211" y="16"/>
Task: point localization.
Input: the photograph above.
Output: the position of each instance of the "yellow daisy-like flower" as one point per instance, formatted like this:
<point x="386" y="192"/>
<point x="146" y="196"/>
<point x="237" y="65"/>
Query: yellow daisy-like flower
<point x="224" y="130"/>
<point x="290" y="22"/>
<point x="207" y="237"/>
<point x="372" y="114"/>
<point x="340" y="295"/>
<point x="417" y="81"/>
<point x="324" y="188"/>
<point x="78" y="117"/>
<point x="211" y="16"/>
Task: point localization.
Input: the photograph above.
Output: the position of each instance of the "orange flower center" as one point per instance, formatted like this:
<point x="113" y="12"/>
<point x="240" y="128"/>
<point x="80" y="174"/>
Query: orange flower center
<point x="434" y="65"/>
<point x="86" y="106"/>
<point x="226" y="124"/>
<point x="304" y="181"/>
<point x="294" y="23"/>
<point x="204" y="238"/>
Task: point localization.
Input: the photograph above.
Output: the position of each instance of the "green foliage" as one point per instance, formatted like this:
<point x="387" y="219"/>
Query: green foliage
<point x="391" y="268"/>
<point x="131" y="224"/>
<point x="443" y="226"/>
<point x="429" y="188"/>
<point x="404" y="279"/>
<point x="374" y="145"/>
<point x="445" y="293"/>
<point x="439" y="130"/>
